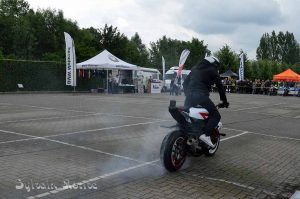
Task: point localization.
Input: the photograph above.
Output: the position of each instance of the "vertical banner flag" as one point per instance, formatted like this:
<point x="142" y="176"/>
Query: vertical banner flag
<point x="74" y="66"/>
<point x="163" y="67"/>
<point x="70" y="61"/>
<point x="185" y="53"/>
<point x="241" y="69"/>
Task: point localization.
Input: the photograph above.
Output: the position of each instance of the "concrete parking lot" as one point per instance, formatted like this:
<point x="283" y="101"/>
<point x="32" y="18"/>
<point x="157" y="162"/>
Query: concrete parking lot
<point x="107" y="146"/>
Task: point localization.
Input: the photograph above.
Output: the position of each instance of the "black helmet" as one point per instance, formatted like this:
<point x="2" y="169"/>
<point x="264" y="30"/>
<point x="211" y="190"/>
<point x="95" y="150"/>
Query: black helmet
<point x="213" y="60"/>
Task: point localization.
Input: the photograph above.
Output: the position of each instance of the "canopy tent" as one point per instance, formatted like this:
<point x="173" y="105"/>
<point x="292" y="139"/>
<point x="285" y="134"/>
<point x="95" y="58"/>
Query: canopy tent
<point x="287" y="76"/>
<point x="229" y="73"/>
<point x="106" y="60"/>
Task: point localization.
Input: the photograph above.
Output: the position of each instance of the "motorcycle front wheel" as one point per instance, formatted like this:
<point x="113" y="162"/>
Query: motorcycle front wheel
<point x="173" y="151"/>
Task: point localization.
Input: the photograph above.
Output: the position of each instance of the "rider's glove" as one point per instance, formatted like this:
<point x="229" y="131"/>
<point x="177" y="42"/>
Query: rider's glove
<point x="223" y="104"/>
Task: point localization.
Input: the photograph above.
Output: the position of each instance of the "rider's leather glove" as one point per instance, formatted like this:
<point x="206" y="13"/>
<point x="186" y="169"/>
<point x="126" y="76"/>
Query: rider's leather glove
<point x="223" y="105"/>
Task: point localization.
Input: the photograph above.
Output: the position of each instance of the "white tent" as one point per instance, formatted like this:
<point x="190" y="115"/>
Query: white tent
<point x="106" y="60"/>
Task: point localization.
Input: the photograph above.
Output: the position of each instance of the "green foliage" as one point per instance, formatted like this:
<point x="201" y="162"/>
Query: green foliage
<point x="13" y="8"/>
<point x="87" y="44"/>
<point x="282" y="48"/>
<point x="166" y="47"/>
<point x="33" y="75"/>
<point x="228" y="59"/>
<point x="41" y="76"/>
<point x="112" y="40"/>
<point x="1" y="54"/>
<point x="265" y="69"/>
<point x="198" y="50"/>
<point x="171" y="50"/>
<point x="32" y="35"/>
<point x="139" y="53"/>
<point x="26" y="34"/>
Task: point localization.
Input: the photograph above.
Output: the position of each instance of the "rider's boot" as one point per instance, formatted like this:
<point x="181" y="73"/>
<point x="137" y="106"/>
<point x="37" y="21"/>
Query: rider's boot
<point x="206" y="140"/>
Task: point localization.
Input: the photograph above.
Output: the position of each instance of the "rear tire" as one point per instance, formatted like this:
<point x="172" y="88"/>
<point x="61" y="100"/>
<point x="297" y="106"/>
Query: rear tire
<point x="215" y="139"/>
<point x="172" y="151"/>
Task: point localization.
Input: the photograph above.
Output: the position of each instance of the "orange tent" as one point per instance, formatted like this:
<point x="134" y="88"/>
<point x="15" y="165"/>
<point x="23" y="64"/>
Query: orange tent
<point x="287" y="76"/>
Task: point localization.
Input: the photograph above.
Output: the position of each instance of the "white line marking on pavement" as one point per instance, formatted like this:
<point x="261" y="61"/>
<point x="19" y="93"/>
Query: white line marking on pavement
<point x="76" y="132"/>
<point x="136" y="102"/>
<point x="262" y="134"/>
<point x="5" y="103"/>
<point x="89" y="112"/>
<point x="296" y="195"/>
<point x="241" y="109"/>
<point x="230" y="129"/>
<point x="229" y="182"/>
<point x="76" y="146"/>
<point x="106" y="128"/>
<point x="20" y="140"/>
<point x="275" y="136"/>
<point x="15" y="133"/>
<point x="93" y="179"/>
<point x="221" y="180"/>
<point x="49" y="118"/>
<point x="91" y="149"/>
<point x="238" y="135"/>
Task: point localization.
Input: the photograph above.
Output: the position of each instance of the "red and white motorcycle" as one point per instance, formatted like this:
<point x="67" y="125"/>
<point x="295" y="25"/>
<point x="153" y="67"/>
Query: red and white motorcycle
<point x="183" y="141"/>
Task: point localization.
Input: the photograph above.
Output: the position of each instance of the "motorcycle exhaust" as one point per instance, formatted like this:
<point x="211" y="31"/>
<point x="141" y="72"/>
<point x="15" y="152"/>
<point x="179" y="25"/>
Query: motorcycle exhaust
<point x="191" y="141"/>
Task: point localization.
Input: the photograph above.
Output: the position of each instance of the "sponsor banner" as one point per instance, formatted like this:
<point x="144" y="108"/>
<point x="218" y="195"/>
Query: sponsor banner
<point x="185" y="53"/>
<point x="241" y="69"/>
<point x="155" y="87"/>
<point x="163" y="67"/>
<point x="70" y="61"/>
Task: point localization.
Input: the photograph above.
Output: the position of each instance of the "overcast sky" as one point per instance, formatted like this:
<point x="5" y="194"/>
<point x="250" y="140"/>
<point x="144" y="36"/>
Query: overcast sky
<point x="238" y="23"/>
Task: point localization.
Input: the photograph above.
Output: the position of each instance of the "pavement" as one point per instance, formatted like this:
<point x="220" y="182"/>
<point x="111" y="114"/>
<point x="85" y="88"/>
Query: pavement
<point x="107" y="146"/>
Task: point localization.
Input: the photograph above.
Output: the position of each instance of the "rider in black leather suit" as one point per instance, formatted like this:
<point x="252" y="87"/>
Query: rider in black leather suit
<point x="197" y="86"/>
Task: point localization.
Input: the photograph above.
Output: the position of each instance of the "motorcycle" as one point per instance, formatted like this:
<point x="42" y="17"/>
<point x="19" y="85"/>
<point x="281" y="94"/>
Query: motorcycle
<point x="184" y="140"/>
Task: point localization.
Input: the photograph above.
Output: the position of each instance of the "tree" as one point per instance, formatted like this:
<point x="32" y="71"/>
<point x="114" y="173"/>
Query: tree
<point x="292" y="51"/>
<point x="87" y="43"/>
<point x="167" y="47"/>
<point x="197" y="52"/>
<point x="13" y="8"/>
<point x="265" y="69"/>
<point x="262" y="51"/>
<point x="140" y="54"/>
<point x="172" y="48"/>
<point x="282" y="48"/>
<point x="11" y="12"/>
<point x="24" y="39"/>
<point x="112" y="40"/>
<point x="228" y="59"/>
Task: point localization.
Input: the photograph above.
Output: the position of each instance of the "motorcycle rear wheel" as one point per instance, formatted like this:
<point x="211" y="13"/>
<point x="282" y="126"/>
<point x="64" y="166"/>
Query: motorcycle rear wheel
<point x="172" y="151"/>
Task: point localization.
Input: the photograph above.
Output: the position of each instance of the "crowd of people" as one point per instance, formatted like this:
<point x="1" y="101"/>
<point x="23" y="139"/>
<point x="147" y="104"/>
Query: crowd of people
<point x="266" y="87"/>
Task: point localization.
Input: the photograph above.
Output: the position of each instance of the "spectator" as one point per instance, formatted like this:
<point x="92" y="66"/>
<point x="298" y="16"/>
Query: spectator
<point x="172" y="86"/>
<point x="110" y="82"/>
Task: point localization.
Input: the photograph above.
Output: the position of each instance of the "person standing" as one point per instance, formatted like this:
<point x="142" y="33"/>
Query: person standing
<point x="110" y="82"/>
<point x="172" y="86"/>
